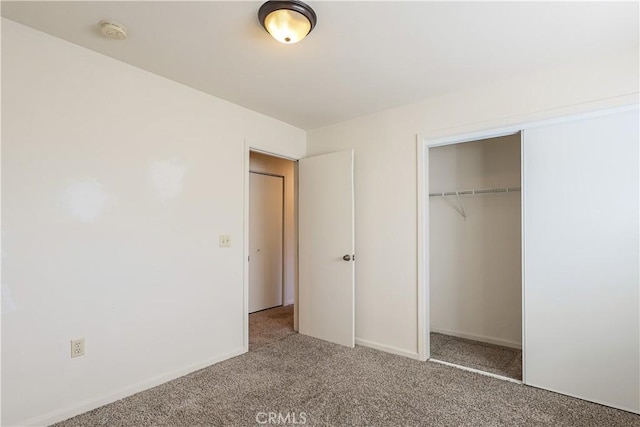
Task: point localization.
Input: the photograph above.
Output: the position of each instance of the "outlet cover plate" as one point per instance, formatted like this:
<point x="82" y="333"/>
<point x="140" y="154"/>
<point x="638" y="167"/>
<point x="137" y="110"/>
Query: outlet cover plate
<point x="77" y="347"/>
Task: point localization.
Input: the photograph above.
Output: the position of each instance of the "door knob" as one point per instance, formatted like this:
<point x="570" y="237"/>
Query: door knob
<point x="347" y="257"/>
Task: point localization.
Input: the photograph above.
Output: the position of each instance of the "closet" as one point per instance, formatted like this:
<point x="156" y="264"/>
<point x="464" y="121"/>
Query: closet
<point x="547" y="219"/>
<point x="475" y="255"/>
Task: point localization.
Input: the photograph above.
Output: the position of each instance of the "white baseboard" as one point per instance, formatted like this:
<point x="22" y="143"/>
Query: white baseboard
<point x="489" y="340"/>
<point x="89" y="404"/>
<point x="387" y="348"/>
<point x="288" y="302"/>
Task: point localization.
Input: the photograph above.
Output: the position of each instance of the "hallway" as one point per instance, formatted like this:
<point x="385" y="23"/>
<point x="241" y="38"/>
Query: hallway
<point x="271" y="325"/>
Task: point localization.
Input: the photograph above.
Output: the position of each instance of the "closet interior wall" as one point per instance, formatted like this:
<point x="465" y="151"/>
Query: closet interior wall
<point x="475" y="241"/>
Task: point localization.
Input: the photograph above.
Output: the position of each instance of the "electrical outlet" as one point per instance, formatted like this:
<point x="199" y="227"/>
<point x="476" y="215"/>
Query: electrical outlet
<point x="225" y="241"/>
<point x="77" y="347"/>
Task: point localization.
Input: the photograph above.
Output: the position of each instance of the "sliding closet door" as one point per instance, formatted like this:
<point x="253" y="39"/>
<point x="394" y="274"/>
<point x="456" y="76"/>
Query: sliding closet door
<point x="581" y="252"/>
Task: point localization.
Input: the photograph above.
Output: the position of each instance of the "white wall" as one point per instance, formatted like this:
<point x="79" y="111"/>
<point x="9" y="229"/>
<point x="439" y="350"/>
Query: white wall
<point x="116" y="184"/>
<point x="268" y="164"/>
<point x="475" y="263"/>
<point x="385" y="173"/>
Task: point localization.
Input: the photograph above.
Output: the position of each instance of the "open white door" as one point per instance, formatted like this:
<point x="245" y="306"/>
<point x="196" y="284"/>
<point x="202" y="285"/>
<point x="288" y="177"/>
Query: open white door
<point x="326" y="233"/>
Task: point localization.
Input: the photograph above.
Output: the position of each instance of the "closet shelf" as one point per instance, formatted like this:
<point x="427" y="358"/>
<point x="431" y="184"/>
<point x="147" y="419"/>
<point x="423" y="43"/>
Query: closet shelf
<point x="475" y="192"/>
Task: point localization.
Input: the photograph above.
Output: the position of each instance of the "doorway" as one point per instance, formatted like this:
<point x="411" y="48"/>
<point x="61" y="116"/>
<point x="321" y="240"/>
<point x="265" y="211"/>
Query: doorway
<point x="320" y="250"/>
<point x="475" y="260"/>
<point x="272" y="248"/>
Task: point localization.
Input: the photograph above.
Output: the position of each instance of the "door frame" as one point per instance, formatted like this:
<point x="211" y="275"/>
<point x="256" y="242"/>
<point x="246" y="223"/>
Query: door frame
<point x="425" y="141"/>
<point x="248" y="148"/>
<point x="424" y="309"/>
<point x="282" y="281"/>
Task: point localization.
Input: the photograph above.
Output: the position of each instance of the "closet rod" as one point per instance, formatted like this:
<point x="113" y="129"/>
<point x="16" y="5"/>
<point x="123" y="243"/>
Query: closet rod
<point x="475" y="192"/>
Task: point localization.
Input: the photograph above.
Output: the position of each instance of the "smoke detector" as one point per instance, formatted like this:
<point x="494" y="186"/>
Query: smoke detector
<point x="113" y="29"/>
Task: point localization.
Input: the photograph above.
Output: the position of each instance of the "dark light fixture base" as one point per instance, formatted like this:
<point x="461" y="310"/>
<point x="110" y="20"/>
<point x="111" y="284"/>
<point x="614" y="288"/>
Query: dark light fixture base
<point x="295" y="5"/>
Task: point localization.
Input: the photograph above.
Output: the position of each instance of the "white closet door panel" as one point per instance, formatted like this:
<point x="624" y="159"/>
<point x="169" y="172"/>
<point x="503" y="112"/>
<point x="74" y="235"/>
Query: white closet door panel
<point x="265" y="241"/>
<point x="581" y="259"/>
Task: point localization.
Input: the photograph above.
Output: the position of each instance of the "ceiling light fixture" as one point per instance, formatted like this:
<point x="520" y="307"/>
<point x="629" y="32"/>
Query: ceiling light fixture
<point x="287" y="21"/>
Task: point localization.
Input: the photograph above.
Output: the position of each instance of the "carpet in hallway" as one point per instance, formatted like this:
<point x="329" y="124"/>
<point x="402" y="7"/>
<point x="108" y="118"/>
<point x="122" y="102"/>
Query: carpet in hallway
<point x="270" y="325"/>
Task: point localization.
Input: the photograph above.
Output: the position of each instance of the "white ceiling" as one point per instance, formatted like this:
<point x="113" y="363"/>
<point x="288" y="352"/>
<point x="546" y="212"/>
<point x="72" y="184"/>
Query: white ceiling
<point x="362" y="57"/>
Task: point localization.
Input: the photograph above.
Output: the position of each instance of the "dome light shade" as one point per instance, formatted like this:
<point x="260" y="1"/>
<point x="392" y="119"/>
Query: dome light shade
<point x="287" y="21"/>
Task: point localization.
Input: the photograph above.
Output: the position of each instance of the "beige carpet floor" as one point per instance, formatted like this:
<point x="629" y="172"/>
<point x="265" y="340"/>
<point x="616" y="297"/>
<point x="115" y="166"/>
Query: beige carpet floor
<point x="268" y="326"/>
<point x="492" y="358"/>
<point x="333" y="385"/>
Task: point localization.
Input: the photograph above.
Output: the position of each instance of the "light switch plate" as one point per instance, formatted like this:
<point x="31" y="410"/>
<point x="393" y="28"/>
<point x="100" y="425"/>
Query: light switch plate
<point x="225" y="241"/>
